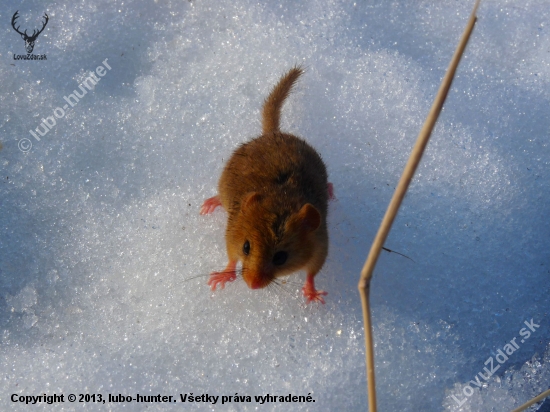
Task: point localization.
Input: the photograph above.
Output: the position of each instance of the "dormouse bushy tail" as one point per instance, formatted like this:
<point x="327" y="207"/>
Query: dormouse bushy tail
<point x="272" y="105"/>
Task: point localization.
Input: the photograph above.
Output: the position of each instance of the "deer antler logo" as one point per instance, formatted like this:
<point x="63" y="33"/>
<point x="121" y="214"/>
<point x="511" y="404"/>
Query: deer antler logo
<point x="29" y="40"/>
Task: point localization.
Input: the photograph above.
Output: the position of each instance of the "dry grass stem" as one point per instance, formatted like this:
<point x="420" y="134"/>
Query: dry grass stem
<point x="395" y="203"/>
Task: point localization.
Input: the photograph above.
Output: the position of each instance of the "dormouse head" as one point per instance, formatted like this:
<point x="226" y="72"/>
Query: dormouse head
<point x="271" y="244"/>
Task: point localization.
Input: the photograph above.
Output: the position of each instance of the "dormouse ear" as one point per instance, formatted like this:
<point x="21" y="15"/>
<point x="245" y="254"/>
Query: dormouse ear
<point x="309" y="217"/>
<point x="250" y="199"/>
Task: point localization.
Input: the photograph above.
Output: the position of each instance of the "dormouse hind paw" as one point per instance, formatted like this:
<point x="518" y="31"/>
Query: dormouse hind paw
<point x="210" y="205"/>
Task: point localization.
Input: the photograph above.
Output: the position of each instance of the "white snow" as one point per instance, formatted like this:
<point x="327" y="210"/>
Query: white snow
<point x="101" y="236"/>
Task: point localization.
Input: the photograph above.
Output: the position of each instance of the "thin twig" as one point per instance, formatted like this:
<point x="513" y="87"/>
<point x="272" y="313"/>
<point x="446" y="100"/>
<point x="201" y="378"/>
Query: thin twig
<point x="533" y="401"/>
<point x="399" y="194"/>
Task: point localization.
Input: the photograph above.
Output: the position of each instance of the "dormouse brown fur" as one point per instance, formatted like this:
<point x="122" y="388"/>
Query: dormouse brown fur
<point x="275" y="191"/>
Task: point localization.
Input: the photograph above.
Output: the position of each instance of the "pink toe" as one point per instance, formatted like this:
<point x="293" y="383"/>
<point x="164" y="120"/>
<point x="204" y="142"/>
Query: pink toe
<point x="330" y="188"/>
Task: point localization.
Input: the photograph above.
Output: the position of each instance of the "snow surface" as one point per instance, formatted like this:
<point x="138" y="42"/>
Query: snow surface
<point x="101" y="236"/>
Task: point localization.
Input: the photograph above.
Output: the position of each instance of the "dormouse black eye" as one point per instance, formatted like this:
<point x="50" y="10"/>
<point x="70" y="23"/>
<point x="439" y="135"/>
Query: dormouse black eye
<point x="280" y="258"/>
<point x="246" y="248"/>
